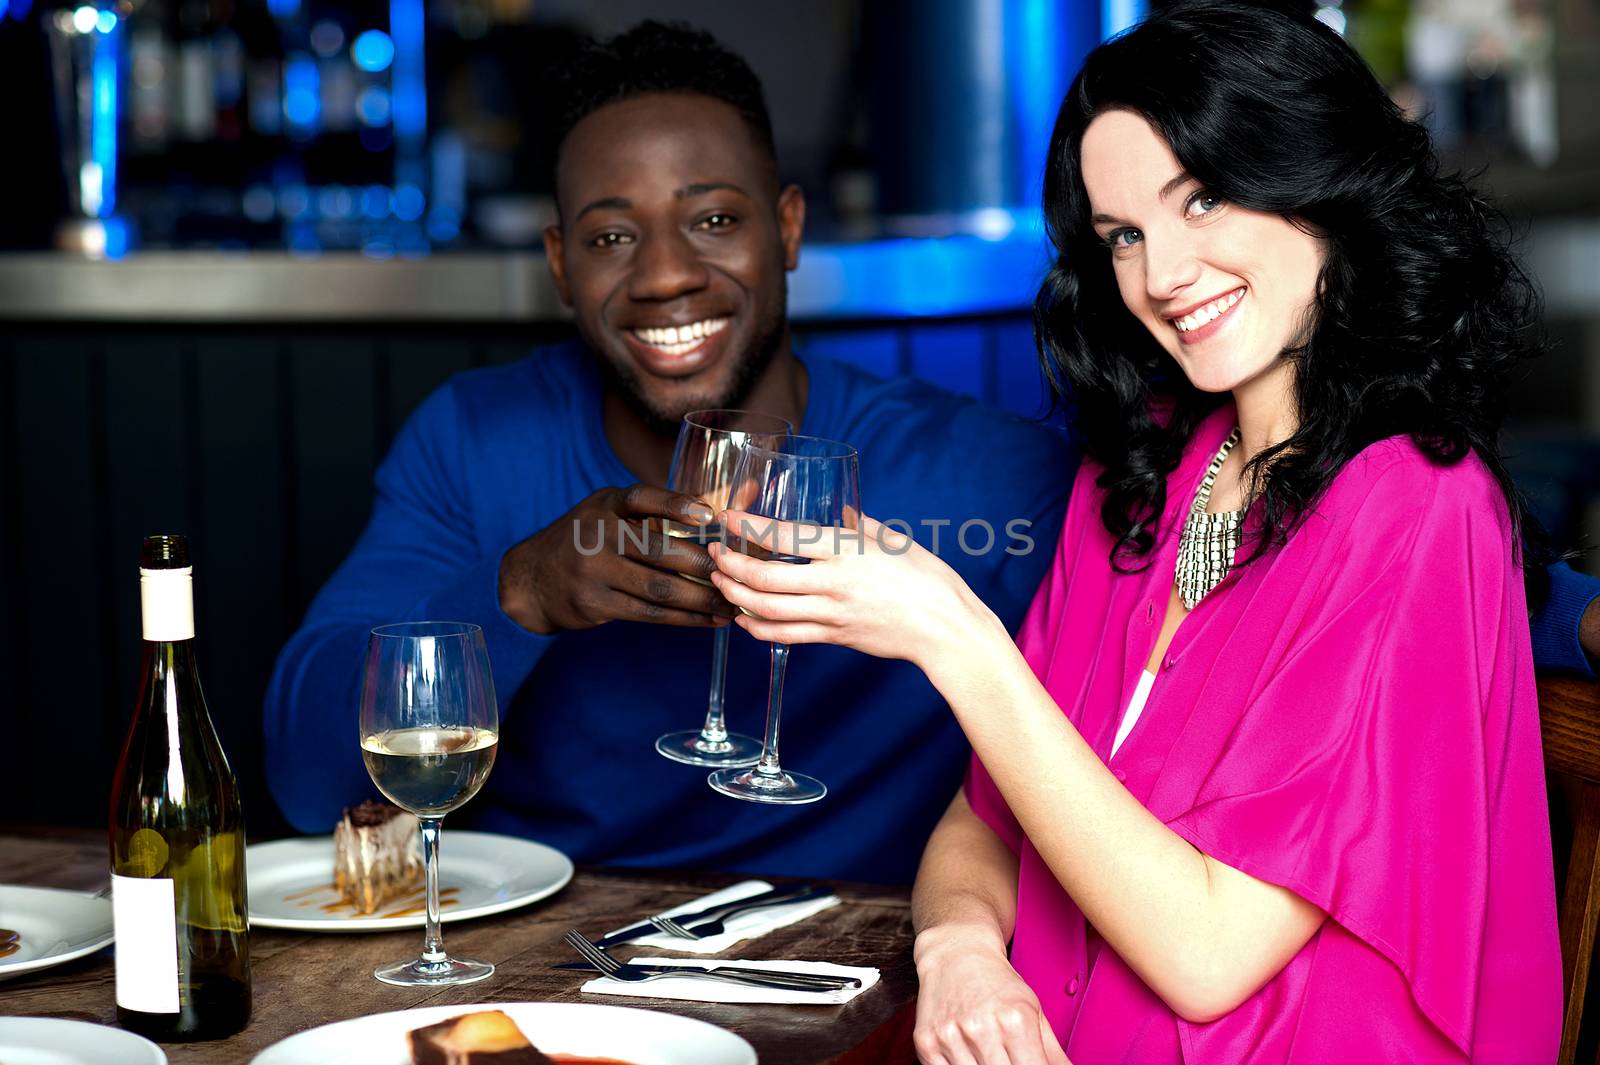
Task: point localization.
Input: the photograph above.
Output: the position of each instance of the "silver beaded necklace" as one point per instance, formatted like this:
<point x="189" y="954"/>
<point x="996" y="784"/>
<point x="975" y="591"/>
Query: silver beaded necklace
<point x="1209" y="541"/>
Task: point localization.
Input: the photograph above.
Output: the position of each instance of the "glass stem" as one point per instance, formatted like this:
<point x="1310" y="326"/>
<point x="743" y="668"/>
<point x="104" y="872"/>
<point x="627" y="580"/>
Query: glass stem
<point x="432" y="942"/>
<point x="714" y="730"/>
<point x="768" y="766"/>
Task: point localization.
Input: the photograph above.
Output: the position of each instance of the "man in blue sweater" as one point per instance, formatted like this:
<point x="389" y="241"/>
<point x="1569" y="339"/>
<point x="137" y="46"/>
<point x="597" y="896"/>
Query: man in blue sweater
<point x="672" y="246"/>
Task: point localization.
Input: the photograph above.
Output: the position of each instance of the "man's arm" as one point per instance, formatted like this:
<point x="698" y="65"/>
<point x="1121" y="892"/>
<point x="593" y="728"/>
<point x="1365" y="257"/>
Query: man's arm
<point x="1566" y="630"/>
<point x="422" y="556"/>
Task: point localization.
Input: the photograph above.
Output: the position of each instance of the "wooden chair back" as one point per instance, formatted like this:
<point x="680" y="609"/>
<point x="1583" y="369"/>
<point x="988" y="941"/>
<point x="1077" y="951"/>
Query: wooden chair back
<point x="1569" y="714"/>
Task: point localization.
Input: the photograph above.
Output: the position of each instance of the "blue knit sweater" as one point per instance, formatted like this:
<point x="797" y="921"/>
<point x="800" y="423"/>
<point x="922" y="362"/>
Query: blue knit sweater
<point x="497" y="454"/>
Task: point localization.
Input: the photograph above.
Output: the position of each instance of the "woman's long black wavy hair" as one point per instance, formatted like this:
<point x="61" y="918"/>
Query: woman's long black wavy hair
<point x="1421" y="312"/>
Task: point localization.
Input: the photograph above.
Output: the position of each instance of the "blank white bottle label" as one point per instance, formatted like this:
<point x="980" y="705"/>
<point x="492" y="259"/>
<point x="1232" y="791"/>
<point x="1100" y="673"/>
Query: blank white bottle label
<point x="166" y="599"/>
<point x="145" y="914"/>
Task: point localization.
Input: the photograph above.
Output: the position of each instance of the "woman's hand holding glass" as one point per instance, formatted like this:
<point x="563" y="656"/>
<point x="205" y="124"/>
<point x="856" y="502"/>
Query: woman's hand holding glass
<point x="874" y="590"/>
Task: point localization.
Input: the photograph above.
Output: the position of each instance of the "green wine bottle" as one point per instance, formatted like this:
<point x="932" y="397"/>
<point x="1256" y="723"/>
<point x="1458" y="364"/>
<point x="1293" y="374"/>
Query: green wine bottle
<point x="177" y="834"/>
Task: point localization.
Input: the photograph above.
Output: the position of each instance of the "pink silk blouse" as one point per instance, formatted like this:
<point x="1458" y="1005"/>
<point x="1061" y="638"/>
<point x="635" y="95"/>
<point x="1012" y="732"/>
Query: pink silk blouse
<point x="1352" y="717"/>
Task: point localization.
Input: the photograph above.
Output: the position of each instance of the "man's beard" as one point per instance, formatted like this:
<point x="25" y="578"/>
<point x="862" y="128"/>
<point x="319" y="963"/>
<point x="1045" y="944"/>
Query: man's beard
<point x="747" y="371"/>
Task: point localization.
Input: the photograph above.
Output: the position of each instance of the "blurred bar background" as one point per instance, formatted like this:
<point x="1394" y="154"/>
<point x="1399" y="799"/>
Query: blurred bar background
<point x="241" y="239"/>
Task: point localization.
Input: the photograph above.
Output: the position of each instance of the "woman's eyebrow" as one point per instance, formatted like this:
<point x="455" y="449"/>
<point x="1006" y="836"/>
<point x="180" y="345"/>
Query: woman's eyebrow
<point x="1180" y="179"/>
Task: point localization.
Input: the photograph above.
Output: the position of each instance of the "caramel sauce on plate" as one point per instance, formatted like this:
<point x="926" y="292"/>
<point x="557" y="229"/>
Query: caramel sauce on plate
<point x="411" y="904"/>
<point x="10" y="942"/>
<point x="307" y="893"/>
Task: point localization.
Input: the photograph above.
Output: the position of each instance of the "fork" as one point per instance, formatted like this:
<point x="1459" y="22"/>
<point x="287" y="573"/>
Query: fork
<point x="635" y="974"/>
<point x="716" y="926"/>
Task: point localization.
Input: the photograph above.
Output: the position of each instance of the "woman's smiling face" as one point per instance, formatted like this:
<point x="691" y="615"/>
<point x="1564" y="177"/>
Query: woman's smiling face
<point x="1224" y="289"/>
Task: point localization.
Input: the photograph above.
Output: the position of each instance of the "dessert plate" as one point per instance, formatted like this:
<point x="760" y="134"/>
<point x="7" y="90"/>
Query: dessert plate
<point x="53" y="1041"/>
<point x="291" y="883"/>
<point x="54" y="927"/>
<point x="639" y="1037"/>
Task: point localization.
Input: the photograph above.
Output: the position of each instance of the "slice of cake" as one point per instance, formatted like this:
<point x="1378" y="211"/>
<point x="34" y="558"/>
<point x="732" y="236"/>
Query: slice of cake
<point x="487" y="1038"/>
<point x="377" y="855"/>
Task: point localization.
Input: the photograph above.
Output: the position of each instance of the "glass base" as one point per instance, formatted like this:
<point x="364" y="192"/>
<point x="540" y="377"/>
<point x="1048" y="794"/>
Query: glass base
<point x="781" y="787"/>
<point x="691" y="749"/>
<point x="421" y="973"/>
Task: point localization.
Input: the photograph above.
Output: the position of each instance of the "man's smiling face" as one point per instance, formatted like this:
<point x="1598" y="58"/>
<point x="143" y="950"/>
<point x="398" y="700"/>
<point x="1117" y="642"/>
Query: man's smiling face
<point x="671" y="250"/>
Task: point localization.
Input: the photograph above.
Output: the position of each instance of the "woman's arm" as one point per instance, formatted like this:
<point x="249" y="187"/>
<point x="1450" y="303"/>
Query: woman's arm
<point x="966" y="885"/>
<point x="971" y="1004"/>
<point x="1203" y="935"/>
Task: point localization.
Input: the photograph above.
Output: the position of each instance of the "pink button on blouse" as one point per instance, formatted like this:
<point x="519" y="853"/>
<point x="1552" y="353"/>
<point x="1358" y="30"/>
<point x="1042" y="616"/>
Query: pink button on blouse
<point x="1353" y="717"/>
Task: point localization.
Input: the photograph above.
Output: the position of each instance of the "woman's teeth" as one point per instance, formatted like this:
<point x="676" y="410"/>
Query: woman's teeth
<point x="1209" y="313"/>
<point x="678" y="340"/>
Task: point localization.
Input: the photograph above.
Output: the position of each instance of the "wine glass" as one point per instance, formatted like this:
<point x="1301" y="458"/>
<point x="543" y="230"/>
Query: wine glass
<point x="803" y="479"/>
<point x="709" y="442"/>
<point x="429" y="725"/>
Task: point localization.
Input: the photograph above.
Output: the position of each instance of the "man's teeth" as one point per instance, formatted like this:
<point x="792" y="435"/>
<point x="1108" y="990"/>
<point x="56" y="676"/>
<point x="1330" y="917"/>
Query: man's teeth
<point x="678" y="340"/>
<point x="1208" y="313"/>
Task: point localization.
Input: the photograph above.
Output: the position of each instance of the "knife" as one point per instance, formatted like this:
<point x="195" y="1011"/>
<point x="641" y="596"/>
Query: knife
<point x="822" y="981"/>
<point x="770" y="897"/>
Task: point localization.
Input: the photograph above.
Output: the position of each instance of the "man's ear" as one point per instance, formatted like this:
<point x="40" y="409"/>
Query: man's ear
<point x="553" y="254"/>
<point x="791" y="224"/>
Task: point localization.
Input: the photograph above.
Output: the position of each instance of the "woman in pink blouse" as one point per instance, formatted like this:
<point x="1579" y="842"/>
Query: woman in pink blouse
<point x="1260" y="780"/>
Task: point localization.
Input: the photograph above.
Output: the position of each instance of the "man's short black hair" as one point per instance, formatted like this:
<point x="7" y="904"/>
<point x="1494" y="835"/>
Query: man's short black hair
<point x="657" y="57"/>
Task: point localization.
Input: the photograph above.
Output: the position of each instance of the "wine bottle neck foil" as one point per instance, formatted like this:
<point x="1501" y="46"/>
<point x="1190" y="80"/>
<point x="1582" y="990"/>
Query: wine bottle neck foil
<point x="166" y="598"/>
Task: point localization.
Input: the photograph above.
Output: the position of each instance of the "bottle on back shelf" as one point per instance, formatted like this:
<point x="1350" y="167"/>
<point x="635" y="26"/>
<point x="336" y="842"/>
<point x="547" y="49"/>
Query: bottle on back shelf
<point x="177" y="834"/>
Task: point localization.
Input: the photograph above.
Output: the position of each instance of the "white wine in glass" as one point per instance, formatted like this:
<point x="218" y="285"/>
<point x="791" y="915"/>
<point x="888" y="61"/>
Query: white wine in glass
<point x="429" y="726"/>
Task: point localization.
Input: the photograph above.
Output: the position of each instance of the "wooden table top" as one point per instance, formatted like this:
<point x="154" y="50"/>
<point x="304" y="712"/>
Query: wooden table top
<point x="302" y="980"/>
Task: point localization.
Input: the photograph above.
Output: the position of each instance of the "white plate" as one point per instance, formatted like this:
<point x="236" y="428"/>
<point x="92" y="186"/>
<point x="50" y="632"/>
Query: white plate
<point x="640" y="1037"/>
<point x="51" y="1041"/>
<point x="291" y="883"/>
<point x="56" y="927"/>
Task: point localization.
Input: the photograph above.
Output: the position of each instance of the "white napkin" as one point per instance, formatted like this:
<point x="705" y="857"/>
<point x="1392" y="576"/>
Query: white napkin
<point x="697" y="989"/>
<point x="739" y="928"/>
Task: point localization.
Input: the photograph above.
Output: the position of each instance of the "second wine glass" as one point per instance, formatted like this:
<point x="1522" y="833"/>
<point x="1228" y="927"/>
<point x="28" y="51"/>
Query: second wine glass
<point x="708" y="448"/>
<point x="799" y="480"/>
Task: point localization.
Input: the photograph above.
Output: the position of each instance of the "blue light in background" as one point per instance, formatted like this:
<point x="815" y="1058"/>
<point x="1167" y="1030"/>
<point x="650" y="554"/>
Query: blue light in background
<point x="335" y="201"/>
<point x="104" y="76"/>
<point x="284" y="9"/>
<point x="444" y="225"/>
<point x="1039" y="79"/>
<point x="117" y="241"/>
<point x="372" y="51"/>
<point x="373" y="106"/>
<point x="302" y="93"/>
<point x="410" y="85"/>
<point x="409" y="203"/>
<point x="294" y="201"/>
<point x="375" y="202"/>
<point x="106" y="22"/>
<point x="1118" y="15"/>
<point x="303" y="242"/>
<point x="919" y="278"/>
